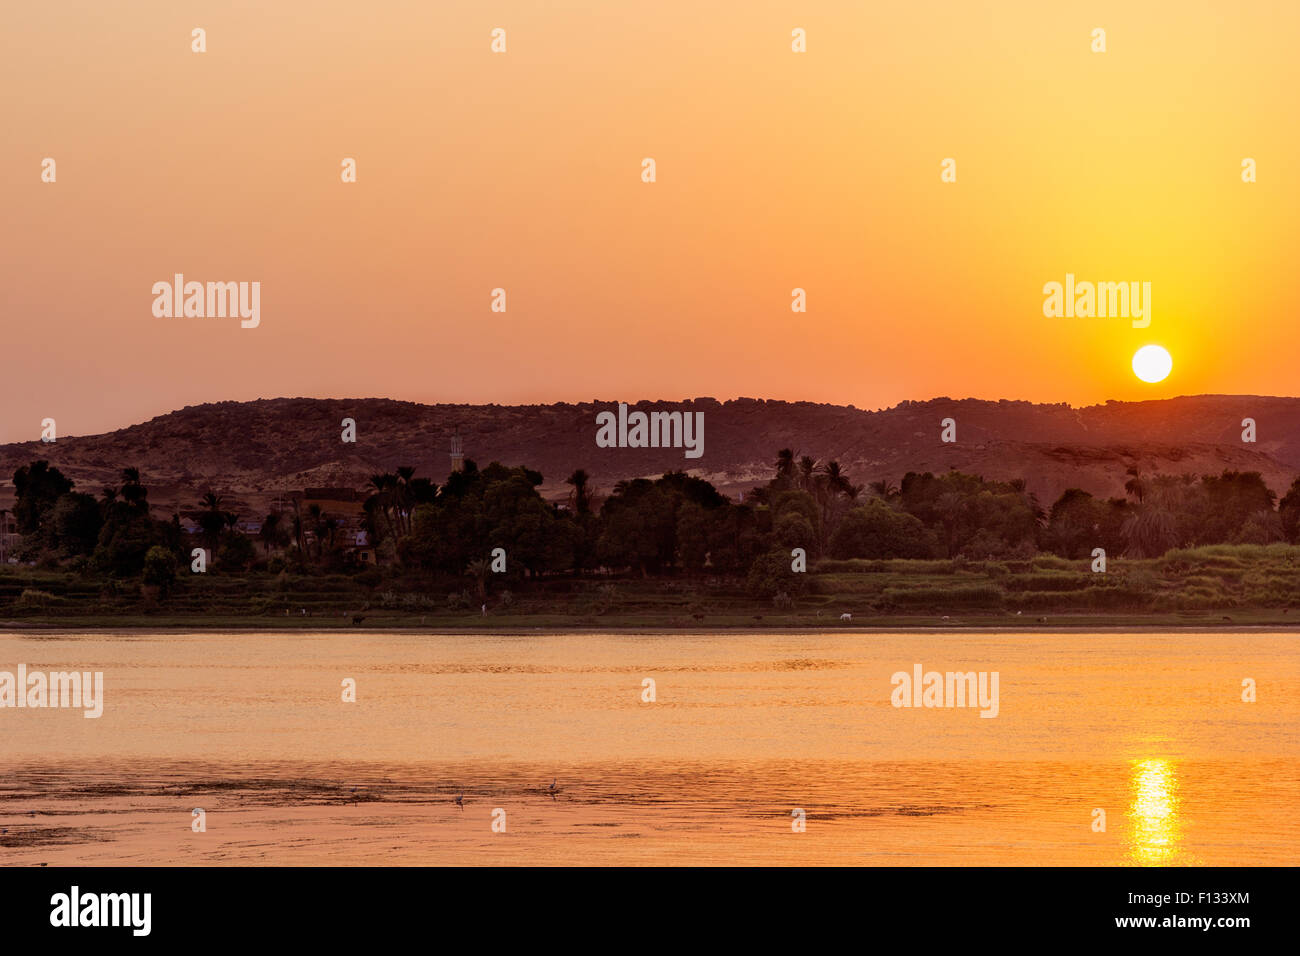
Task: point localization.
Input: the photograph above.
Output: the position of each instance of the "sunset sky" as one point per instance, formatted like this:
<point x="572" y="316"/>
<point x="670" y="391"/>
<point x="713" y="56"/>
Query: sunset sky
<point x="522" y="170"/>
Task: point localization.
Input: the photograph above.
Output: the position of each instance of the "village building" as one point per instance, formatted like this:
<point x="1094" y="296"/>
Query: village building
<point x="346" y="507"/>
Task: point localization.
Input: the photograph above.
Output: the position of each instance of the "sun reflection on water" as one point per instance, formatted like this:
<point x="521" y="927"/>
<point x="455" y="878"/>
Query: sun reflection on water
<point x="1156" y="829"/>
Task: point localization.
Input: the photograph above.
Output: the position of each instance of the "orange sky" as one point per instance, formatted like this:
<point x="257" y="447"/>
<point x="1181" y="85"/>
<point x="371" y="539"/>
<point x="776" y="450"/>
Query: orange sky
<point x="522" y="170"/>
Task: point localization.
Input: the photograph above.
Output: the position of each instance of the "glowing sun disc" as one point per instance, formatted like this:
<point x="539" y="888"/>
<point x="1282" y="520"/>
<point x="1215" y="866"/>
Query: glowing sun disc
<point x="1151" y="363"/>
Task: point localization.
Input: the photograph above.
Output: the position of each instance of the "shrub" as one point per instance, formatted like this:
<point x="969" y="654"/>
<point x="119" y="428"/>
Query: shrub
<point x="875" y="530"/>
<point x="369" y="577"/>
<point x="771" y="573"/>
<point x="160" y="569"/>
<point x="236" y="553"/>
<point x="966" y="596"/>
<point x="33" y="598"/>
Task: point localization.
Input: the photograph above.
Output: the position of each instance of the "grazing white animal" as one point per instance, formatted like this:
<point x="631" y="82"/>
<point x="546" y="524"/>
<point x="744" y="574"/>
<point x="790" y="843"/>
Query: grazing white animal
<point x="846" y="617"/>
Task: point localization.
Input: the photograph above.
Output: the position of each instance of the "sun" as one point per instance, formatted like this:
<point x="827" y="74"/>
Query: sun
<point x="1151" y="363"/>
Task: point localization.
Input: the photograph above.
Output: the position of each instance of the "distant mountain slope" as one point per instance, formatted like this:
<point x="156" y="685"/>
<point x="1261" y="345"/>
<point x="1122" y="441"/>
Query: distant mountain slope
<point x="252" y="451"/>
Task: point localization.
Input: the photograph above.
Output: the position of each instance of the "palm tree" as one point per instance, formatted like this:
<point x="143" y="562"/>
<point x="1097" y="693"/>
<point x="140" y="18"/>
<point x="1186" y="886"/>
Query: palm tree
<point x="581" y="494"/>
<point x="211" y="519"/>
<point x="1020" y="487"/>
<point x="383" y="485"/>
<point x="829" y="485"/>
<point x="785" y="466"/>
<point x="133" y="493"/>
<point x="371" y="522"/>
<point x="329" y="525"/>
<point x="316" y="526"/>
<point x="232" y="519"/>
<point x="271" y="531"/>
<point x="402" y="494"/>
<point x="807" y="469"/>
<point x="1149" y="531"/>
<point x="1136" y="485"/>
<point x="884" y="489"/>
<point x="951" y="507"/>
<point x="479" y="569"/>
<point x="836" y="477"/>
<point x="297" y="531"/>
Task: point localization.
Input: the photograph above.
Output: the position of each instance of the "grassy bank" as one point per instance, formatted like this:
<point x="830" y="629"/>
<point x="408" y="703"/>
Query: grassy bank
<point x="1214" y="587"/>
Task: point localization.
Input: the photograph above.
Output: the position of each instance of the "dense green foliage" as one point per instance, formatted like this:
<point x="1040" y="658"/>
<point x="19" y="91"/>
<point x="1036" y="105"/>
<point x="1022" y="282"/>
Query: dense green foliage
<point x="487" y="537"/>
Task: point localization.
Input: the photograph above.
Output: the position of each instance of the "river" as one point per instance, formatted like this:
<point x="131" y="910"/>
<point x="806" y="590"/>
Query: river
<point x="1106" y="749"/>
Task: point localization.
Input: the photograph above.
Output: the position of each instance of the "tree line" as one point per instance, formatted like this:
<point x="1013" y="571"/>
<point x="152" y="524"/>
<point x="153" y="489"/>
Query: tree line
<point x="674" y="524"/>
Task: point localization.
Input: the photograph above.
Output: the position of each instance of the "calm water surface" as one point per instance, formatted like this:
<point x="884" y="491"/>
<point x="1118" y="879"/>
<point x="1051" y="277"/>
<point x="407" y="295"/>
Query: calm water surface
<point x="1149" y="728"/>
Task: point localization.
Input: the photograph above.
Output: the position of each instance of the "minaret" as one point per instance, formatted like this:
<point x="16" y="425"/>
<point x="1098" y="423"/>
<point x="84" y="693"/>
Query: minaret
<point x="457" y="454"/>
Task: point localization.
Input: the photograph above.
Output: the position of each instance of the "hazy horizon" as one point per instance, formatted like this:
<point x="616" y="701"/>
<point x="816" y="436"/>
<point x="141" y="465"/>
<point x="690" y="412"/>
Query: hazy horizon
<point x="521" y="170"/>
<point x="631" y="402"/>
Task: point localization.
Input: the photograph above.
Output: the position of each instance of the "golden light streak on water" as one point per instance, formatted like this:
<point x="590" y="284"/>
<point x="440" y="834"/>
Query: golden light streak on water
<point x="1156" y="828"/>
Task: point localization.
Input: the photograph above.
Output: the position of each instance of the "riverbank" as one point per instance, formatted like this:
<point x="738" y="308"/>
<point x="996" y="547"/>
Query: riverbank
<point x="1209" y="589"/>
<point x="507" y="626"/>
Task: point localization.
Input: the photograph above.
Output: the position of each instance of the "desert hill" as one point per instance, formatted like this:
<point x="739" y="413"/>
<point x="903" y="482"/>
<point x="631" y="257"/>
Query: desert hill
<point x="250" y="452"/>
